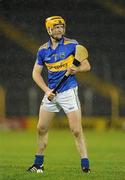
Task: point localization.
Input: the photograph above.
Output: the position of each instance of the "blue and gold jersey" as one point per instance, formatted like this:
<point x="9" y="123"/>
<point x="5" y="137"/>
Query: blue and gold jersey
<point x="57" y="61"/>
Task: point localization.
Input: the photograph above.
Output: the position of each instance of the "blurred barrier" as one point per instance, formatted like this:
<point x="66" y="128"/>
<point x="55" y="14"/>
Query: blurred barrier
<point x="113" y="6"/>
<point x="92" y="123"/>
<point x="18" y="36"/>
<point x="14" y="123"/>
<point x="106" y="90"/>
<point x="2" y="101"/>
<point x="31" y="122"/>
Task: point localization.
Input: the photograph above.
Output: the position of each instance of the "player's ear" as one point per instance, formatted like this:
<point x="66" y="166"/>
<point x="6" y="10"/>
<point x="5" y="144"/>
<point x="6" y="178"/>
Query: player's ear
<point x="49" y="30"/>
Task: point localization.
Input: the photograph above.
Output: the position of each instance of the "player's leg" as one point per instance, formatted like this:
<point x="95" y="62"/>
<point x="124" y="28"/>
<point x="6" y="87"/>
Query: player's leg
<point x="69" y="101"/>
<point x="45" y="118"/>
<point x="42" y="138"/>
<point x="74" y="118"/>
<point x="46" y="114"/>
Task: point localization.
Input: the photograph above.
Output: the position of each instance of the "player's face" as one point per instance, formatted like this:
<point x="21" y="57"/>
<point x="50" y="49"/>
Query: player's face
<point x="58" y="31"/>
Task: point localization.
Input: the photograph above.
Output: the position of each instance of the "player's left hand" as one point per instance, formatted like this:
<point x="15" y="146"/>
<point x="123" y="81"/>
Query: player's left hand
<point x="72" y="70"/>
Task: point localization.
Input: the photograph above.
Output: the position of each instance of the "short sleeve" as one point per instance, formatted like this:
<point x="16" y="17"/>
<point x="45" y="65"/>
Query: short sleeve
<point x="74" y="44"/>
<point x="40" y="57"/>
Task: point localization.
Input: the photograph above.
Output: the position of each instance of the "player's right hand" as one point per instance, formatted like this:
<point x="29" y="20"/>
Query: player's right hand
<point x="50" y="94"/>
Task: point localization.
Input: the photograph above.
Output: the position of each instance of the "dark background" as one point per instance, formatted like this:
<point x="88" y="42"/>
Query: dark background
<point x="99" y="28"/>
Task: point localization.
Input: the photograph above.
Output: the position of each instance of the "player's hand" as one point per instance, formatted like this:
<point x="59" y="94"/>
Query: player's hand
<point x="50" y="94"/>
<point x="72" y="70"/>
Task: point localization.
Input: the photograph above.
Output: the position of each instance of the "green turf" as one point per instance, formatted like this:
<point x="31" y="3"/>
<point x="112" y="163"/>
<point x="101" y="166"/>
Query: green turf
<point x="106" y="152"/>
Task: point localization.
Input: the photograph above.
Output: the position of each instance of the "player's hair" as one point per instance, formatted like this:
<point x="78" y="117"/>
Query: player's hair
<point x="54" y="20"/>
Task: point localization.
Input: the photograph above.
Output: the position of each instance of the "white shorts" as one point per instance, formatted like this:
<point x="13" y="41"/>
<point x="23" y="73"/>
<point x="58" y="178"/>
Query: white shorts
<point x="67" y="100"/>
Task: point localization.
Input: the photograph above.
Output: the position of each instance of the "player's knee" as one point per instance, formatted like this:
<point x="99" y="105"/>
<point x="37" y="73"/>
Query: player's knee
<point x="76" y="132"/>
<point x="41" y="129"/>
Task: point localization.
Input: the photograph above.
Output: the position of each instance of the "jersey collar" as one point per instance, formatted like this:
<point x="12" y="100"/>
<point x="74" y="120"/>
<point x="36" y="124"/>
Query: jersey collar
<point x="60" y="42"/>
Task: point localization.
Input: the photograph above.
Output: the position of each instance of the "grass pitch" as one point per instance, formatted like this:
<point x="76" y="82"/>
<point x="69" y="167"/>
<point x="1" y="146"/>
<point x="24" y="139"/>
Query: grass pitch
<point x="106" y="153"/>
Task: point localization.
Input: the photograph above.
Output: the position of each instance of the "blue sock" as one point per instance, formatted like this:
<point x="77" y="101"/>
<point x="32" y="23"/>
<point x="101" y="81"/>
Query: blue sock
<point x="39" y="159"/>
<point x="85" y="163"/>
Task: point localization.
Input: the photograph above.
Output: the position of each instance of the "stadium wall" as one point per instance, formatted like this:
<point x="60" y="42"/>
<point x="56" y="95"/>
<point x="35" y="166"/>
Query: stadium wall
<point x="30" y="123"/>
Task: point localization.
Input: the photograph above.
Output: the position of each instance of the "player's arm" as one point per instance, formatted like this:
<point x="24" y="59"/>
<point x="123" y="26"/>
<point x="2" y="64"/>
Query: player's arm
<point x="36" y="74"/>
<point x="84" y="66"/>
<point x="81" y="62"/>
